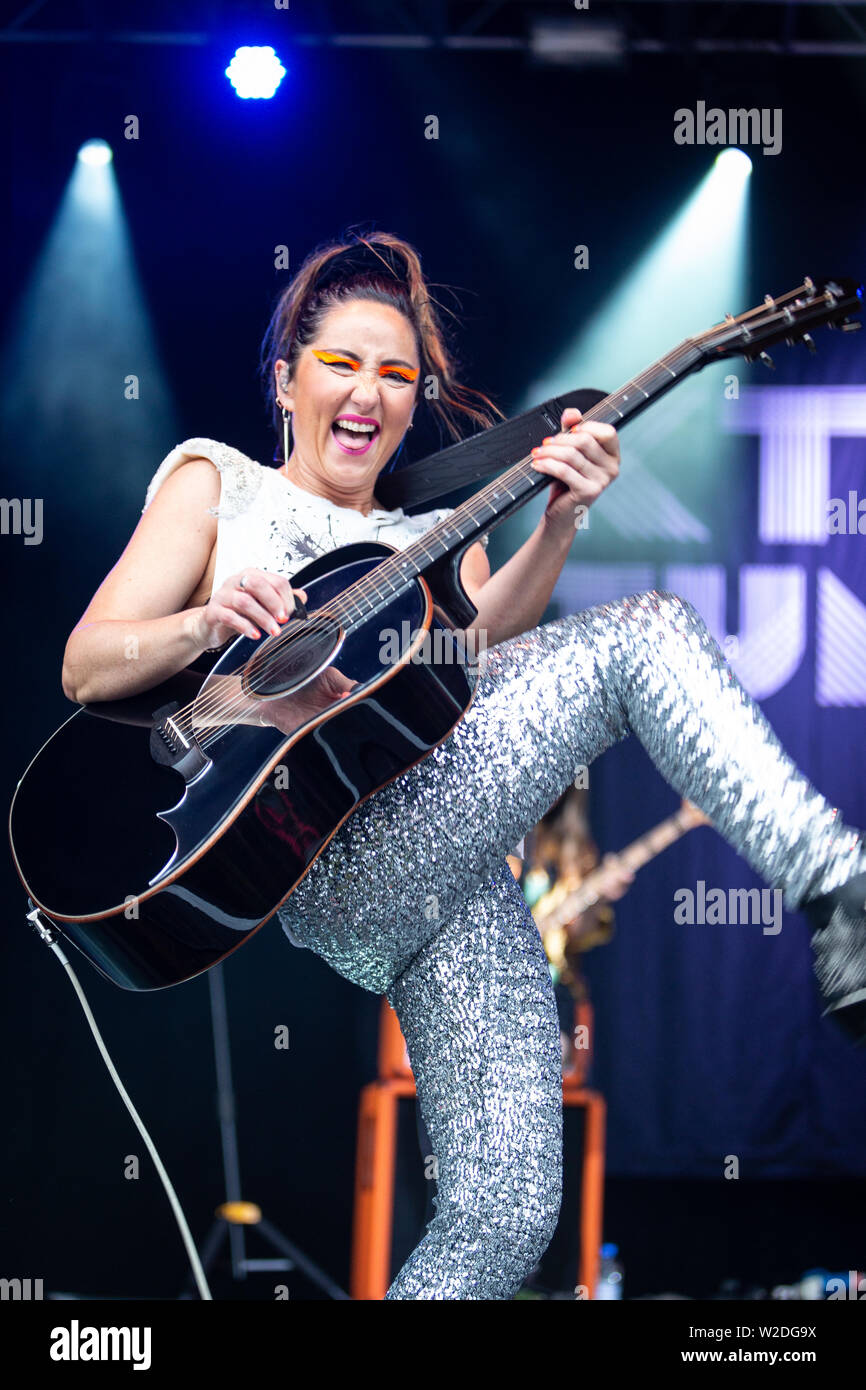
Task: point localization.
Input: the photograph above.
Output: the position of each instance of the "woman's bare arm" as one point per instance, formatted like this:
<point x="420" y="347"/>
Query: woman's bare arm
<point x="136" y="631"/>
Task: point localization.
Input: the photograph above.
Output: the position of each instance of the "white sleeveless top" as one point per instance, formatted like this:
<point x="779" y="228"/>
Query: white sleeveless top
<point x="270" y="523"/>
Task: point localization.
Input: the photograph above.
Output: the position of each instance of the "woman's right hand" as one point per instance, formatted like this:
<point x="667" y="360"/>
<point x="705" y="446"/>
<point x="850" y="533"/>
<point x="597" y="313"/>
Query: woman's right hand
<point x="264" y="602"/>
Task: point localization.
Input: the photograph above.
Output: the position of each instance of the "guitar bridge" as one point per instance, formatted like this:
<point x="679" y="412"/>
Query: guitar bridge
<point x="171" y="746"/>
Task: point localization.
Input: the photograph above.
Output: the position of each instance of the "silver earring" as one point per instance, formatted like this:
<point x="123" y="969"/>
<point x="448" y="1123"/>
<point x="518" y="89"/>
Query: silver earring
<point x="287" y="427"/>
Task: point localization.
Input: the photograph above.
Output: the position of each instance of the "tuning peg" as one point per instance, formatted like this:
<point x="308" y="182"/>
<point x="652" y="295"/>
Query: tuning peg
<point x="850" y="325"/>
<point x="767" y="360"/>
<point x="769" y="301"/>
<point x="809" y="342"/>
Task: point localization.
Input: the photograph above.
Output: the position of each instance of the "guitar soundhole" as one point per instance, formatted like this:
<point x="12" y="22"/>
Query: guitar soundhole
<point x="281" y="663"/>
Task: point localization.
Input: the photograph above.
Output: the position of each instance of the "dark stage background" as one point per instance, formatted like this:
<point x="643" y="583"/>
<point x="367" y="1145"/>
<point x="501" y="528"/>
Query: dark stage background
<point x="709" y="1040"/>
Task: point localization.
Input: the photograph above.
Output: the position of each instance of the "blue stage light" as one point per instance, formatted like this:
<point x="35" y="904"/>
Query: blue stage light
<point x="255" y="72"/>
<point x="95" y="152"/>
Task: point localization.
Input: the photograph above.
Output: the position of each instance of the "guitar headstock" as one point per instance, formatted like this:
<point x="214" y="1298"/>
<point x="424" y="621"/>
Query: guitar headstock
<point x="788" y="319"/>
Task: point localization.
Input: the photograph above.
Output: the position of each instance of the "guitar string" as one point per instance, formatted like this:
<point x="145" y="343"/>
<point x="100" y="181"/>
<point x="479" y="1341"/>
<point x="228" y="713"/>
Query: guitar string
<point x="223" y="708"/>
<point x="686" y="349"/>
<point x="372" y="583"/>
<point x="340" y="609"/>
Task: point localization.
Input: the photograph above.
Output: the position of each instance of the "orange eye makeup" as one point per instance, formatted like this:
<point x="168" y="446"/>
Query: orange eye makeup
<point x="333" y="358"/>
<point x="407" y="373"/>
<point x="342" y="360"/>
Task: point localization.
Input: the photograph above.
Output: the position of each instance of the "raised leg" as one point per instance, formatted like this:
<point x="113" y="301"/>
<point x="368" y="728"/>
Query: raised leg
<point x="547" y="704"/>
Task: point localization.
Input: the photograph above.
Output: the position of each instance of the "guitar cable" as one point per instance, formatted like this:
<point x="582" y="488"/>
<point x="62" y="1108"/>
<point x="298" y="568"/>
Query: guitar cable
<point x="49" y="934"/>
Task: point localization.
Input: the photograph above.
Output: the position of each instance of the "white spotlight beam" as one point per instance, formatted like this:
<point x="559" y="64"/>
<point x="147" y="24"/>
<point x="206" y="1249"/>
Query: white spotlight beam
<point x="692" y="274"/>
<point x="84" y="402"/>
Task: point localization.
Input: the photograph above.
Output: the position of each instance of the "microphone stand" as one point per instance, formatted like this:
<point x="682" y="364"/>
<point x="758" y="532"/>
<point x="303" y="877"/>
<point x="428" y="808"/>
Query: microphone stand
<point x="235" y="1213"/>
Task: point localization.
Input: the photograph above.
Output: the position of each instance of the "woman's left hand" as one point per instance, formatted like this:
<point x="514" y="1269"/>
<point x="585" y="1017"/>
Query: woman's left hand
<point x="584" y="460"/>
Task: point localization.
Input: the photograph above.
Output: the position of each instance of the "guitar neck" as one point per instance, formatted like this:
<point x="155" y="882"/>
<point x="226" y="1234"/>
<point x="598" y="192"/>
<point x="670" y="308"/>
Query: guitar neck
<point x="647" y="846"/>
<point x="510" y="491"/>
<point x="786" y="319"/>
<point x="633" y="857"/>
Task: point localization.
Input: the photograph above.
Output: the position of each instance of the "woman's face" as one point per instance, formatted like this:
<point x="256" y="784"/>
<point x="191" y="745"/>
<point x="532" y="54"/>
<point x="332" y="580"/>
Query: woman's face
<point x="321" y="393"/>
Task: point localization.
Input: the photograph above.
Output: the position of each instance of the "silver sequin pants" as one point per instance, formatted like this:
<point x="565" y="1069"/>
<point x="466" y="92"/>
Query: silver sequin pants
<point x="413" y="898"/>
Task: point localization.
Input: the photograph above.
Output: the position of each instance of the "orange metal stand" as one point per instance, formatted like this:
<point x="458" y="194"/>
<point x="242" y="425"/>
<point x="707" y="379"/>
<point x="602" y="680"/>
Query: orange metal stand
<point x="376" y="1155"/>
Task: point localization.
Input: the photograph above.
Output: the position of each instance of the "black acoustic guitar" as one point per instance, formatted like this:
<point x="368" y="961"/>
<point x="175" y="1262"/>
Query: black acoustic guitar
<point x="159" y="832"/>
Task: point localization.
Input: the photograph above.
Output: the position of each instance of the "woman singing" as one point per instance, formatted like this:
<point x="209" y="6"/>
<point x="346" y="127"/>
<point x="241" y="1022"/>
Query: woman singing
<point x="413" y="896"/>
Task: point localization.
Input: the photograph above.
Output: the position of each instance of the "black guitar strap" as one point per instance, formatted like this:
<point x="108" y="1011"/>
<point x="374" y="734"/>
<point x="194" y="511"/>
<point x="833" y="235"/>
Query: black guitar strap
<point x="491" y="451"/>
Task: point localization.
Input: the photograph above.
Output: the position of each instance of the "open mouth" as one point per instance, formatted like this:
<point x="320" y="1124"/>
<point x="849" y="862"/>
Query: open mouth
<point x="352" y="437"/>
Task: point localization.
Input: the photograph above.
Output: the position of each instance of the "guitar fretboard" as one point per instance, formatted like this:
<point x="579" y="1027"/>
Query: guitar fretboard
<point x="479" y="513"/>
<point x="634" y="856"/>
<point x="783" y="319"/>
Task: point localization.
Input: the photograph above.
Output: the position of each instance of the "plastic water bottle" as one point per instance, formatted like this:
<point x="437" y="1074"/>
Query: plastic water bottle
<point x="609" y="1273"/>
